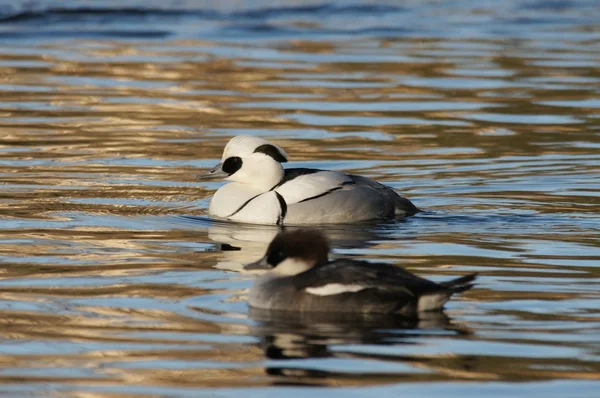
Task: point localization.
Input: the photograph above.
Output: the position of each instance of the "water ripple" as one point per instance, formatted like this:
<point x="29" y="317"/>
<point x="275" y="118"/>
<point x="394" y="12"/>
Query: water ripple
<point x="114" y="282"/>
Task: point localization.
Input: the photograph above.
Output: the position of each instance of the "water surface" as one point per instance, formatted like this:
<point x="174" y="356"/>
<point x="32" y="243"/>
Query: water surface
<point x="113" y="281"/>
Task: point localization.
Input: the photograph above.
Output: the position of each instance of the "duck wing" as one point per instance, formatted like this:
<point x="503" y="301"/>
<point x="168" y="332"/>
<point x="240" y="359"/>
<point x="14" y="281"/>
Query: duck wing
<point x="403" y="206"/>
<point x="324" y="196"/>
<point x="344" y="276"/>
<point x="301" y="185"/>
<point x="375" y="287"/>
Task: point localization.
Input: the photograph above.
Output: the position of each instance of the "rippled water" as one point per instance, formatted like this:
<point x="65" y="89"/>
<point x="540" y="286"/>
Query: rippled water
<point x="114" y="282"/>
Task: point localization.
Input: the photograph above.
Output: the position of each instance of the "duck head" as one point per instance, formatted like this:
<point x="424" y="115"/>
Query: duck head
<point x="250" y="160"/>
<point x="293" y="252"/>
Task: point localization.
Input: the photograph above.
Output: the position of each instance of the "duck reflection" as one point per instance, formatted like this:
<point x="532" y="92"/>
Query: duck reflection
<point x="241" y="243"/>
<point x="286" y="336"/>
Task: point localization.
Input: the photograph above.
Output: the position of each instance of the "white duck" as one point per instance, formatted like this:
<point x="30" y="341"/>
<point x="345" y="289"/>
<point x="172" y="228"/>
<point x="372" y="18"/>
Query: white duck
<point x="263" y="192"/>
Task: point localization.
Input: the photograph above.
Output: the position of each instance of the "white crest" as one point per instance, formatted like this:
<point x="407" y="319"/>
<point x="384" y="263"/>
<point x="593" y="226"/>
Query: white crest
<point x="244" y="145"/>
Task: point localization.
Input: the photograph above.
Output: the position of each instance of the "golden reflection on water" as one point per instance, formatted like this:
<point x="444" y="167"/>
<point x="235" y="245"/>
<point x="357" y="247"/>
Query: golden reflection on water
<point x="104" y="283"/>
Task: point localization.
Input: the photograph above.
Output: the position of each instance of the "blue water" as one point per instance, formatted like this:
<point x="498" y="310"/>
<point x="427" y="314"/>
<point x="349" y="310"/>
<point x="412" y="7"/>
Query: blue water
<point x="114" y="281"/>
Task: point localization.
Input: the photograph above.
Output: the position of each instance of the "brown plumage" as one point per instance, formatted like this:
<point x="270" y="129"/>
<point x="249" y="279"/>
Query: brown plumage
<point x="303" y="279"/>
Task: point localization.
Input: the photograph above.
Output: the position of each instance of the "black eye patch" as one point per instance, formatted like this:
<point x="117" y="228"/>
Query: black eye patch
<point x="271" y="151"/>
<point x="232" y="164"/>
<point x="275" y="257"/>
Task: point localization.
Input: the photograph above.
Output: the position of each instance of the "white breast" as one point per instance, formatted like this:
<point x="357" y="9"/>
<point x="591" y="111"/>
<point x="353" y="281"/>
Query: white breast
<point x="311" y="185"/>
<point x="230" y="197"/>
<point x="263" y="209"/>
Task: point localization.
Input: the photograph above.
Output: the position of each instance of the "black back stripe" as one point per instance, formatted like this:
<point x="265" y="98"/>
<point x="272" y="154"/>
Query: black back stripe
<point x="321" y="194"/>
<point x="243" y="205"/>
<point x="283" y="207"/>
<point x="272" y="151"/>
<point x="290" y="174"/>
<point x="327" y="192"/>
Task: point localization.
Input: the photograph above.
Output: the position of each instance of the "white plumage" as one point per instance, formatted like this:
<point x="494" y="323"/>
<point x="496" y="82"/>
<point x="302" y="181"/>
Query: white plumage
<point x="334" y="288"/>
<point x="431" y="302"/>
<point x="261" y="191"/>
<point x="310" y="185"/>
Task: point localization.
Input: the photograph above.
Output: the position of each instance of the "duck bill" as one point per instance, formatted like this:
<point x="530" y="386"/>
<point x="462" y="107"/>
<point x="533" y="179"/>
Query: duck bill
<point x="261" y="264"/>
<point x="215" y="172"/>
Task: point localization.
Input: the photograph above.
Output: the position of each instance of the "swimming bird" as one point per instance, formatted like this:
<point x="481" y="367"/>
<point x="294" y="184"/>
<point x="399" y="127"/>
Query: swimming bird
<point x="261" y="191"/>
<point x="302" y="279"/>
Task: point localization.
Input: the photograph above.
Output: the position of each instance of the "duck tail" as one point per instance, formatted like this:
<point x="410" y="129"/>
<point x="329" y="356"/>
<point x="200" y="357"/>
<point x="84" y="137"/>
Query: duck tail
<point x="434" y="301"/>
<point x="405" y="207"/>
<point x="461" y="284"/>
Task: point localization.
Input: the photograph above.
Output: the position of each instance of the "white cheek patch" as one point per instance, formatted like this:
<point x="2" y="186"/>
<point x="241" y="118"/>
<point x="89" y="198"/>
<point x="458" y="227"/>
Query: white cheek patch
<point x="334" y="288"/>
<point x="291" y="266"/>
